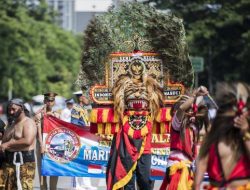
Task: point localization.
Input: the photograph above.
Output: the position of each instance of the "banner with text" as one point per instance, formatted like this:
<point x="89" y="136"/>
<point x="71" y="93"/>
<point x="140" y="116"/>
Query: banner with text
<point x="74" y="151"/>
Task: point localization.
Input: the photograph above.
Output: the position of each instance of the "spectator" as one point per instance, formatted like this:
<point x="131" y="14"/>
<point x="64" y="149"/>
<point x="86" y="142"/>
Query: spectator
<point x="49" y="101"/>
<point x="66" y="112"/>
<point x="18" y="144"/>
<point x="80" y="111"/>
<point x="80" y="116"/>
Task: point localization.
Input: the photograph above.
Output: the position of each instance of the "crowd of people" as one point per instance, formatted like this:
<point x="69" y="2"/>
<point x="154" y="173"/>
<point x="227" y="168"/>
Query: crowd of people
<point x="224" y="154"/>
<point x="21" y="140"/>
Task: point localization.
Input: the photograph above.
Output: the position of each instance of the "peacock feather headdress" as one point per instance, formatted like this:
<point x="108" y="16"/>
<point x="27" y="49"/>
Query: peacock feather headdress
<point x="135" y="26"/>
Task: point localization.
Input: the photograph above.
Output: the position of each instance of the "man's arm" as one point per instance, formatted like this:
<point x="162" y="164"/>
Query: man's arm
<point x="29" y="134"/>
<point x="38" y="121"/>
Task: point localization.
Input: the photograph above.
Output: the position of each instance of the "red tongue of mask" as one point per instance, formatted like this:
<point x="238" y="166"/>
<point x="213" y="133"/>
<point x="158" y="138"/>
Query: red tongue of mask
<point x="137" y="105"/>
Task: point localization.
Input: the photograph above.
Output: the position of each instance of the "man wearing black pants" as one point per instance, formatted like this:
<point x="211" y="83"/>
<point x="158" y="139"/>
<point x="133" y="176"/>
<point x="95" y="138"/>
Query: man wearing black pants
<point x="142" y="174"/>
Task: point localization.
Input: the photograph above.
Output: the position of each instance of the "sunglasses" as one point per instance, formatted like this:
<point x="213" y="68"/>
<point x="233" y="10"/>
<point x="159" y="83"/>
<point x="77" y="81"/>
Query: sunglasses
<point x="50" y="100"/>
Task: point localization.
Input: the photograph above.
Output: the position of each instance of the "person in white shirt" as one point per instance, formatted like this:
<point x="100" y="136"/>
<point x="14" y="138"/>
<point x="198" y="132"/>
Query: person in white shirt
<point x="66" y="112"/>
<point x="83" y="106"/>
<point x="81" y="183"/>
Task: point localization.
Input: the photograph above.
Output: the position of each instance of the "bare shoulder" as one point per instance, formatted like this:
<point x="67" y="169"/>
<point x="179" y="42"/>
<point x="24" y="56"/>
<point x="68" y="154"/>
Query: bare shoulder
<point x="29" y="127"/>
<point x="29" y="122"/>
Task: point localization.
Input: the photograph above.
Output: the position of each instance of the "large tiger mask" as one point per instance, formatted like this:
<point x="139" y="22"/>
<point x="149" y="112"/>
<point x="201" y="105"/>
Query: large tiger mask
<point x="138" y="94"/>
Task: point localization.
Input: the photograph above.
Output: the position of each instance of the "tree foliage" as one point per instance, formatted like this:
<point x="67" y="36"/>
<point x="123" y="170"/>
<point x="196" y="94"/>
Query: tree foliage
<point x="35" y="54"/>
<point x="220" y="32"/>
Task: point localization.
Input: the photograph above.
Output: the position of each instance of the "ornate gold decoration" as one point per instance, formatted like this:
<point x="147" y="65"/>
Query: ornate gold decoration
<point x="134" y="64"/>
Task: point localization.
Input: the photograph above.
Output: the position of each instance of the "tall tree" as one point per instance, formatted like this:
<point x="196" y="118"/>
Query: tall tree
<point x="35" y="54"/>
<point x="220" y="32"/>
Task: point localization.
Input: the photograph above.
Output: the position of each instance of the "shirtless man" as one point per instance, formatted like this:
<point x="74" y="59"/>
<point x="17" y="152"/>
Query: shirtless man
<point x="49" y="102"/>
<point x="18" y="145"/>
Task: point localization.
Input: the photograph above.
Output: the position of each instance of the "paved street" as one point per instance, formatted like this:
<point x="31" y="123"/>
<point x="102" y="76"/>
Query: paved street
<point x="65" y="183"/>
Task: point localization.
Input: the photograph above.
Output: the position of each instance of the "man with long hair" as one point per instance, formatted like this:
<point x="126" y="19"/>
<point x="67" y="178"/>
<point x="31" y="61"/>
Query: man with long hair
<point x="225" y="152"/>
<point x="190" y="115"/>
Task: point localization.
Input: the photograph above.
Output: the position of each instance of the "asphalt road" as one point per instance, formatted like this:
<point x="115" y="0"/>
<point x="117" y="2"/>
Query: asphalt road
<point x="66" y="183"/>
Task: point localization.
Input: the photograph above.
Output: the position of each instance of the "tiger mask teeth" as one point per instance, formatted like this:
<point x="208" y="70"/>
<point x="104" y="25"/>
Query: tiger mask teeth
<point x="137" y="104"/>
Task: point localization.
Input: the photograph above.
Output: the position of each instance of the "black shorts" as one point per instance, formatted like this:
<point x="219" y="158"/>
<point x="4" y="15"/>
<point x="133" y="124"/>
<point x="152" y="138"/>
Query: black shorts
<point x="28" y="156"/>
<point x="1" y="160"/>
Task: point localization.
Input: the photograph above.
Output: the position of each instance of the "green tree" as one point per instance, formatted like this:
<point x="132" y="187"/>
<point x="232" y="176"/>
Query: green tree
<point x="220" y="32"/>
<point x="37" y="55"/>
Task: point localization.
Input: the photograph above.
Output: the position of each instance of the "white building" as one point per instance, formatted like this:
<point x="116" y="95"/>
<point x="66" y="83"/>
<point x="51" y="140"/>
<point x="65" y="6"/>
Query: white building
<point x="74" y="15"/>
<point x="85" y="10"/>
<point x="65" y="11"/>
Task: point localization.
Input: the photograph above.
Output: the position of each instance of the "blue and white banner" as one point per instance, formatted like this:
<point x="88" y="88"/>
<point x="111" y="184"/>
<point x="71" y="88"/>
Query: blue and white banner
<point x="73" y="151"/>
